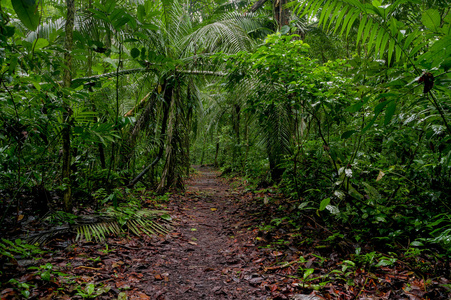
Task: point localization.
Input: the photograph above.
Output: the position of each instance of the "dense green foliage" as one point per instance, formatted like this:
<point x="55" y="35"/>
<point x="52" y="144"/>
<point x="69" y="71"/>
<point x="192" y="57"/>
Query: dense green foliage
<point x="364" y="140"/>
<point x="346" y="109"/>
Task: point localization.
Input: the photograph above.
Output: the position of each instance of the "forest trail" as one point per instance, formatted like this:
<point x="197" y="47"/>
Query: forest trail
<point x="208" y="256"/>
<point x="221" y="247"/>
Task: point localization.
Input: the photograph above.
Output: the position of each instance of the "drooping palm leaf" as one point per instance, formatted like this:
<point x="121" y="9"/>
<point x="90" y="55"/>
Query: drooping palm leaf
<point x="378" y="25"/>
<point x="111" y="223"/>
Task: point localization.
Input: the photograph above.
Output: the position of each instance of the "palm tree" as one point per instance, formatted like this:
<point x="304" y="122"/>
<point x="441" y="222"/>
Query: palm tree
<point x="186" y="48"/>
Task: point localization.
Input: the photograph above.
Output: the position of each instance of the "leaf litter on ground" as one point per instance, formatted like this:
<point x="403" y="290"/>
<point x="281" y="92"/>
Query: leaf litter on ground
<point x="229" y="254"/>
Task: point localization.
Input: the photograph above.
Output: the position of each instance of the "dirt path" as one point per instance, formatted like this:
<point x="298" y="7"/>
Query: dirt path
<point x="217" y="250"/>
<point x="206" y="258"/>
<point x="210" y="254"/>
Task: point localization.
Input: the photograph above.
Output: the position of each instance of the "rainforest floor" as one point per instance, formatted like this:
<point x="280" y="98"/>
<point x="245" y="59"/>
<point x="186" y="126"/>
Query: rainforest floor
<point x="227" y="243"/>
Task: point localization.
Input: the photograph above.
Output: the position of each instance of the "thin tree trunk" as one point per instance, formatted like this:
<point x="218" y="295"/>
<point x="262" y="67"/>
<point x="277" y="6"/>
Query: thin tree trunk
<point x="203" y="150"/>
<point x="281" y="14"/>
<point x="216" y="154"/>
<point x="67" y="78"/>
<point x="166" y="107"/>
<point x="236" y="115"/>
<point x="168" y="167"/>
<point x="246" y="138"/>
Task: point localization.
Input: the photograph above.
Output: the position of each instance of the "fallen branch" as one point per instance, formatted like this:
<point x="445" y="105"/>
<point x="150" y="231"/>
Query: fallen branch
<point x="85" y="267"/>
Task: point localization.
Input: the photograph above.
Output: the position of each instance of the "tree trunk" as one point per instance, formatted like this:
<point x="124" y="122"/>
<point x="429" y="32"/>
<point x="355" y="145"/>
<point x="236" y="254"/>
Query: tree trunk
<point x="216" y="154"/>
<point x="67" y="78"/>
<point x="166" y="107"/>
<point x="256" y="6"/>
<point x="167" y="175"/>
<point x="236" y="122"/>
<point x="281" y="14"/>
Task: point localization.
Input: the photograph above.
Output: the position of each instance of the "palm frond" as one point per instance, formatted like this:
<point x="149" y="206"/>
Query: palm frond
<point x="226" y="36"/>
<point x="111" y="223"/>
<point x="376" y="25"/>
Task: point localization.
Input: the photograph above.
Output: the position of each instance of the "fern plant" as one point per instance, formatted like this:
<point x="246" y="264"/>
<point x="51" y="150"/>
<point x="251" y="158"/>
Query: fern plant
<point x="112" y="222"/>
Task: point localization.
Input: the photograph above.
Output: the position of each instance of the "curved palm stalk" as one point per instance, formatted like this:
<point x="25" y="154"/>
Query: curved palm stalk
<point x="144" y="118"/>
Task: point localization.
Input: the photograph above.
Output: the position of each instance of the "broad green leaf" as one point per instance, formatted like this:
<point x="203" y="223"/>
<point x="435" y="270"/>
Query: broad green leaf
<point x="355" y="107"/>
<point x="386" y="262"/>
<point x="431" y="19"/>
<point x="389" y="112"/>
<point x="285" y="29"/>
<point x="141" y="13"/>
<point x="348" y="134"/>
<point x="324" y="203"/>
<point x="135" y="52"/>
<point x="307" y="273"/>
<point x="446" y="64"/>
<point x="391" y="49"/>
<point x="325" y="11"/>
<point x="28" y="12"/>
<point x="360" y="30"/>
<point x="349" y="15"/>
<point x="384" y="44"/>
<point x="40" y="43"/>
<point x="143" y="53"/>
<point x="369" y="125"/>
<point x="90" y="289"/>
<point x="379" y="38"/>
<point x="416" y="244"/>
<point x="351" y="22"/>
<point x="117" y="14"/>
<point x="338" y="20"/>
<point x="374" y="32"/>
<point x="410" y="38"/>
<point x="109" y="6"/>
<point x="367" y="30"/>
<point x="121" y="22"/>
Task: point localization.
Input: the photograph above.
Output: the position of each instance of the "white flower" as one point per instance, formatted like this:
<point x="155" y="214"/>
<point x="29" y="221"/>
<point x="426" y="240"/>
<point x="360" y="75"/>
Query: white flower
<point x="348" y="172"/>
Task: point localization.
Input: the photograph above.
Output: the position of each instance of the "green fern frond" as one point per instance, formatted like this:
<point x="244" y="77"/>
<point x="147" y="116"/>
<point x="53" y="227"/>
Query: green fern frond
<point x="98" y="227"/>
<point x="376" y="25"/>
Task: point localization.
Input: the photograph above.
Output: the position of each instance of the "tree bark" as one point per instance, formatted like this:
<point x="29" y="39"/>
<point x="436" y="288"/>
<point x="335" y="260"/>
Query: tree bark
<point x="166" y="107"/>
<point x="216" y="154"/>
<point x="67" y="79"/>
<point x="166" y="179"/>
<point x="281" y="14"/>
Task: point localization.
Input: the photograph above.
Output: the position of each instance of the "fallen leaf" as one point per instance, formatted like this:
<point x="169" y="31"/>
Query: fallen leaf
<point x="213" y="209"/>
<point x="117" y="264"/>
<point x="158" y="277"/>
<point x="122" y="296"/>
<point x="192" y="243"/>
<point x="193" y="229"/>
<point x="379" y="177"/>
<point x="122" y="285"/>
